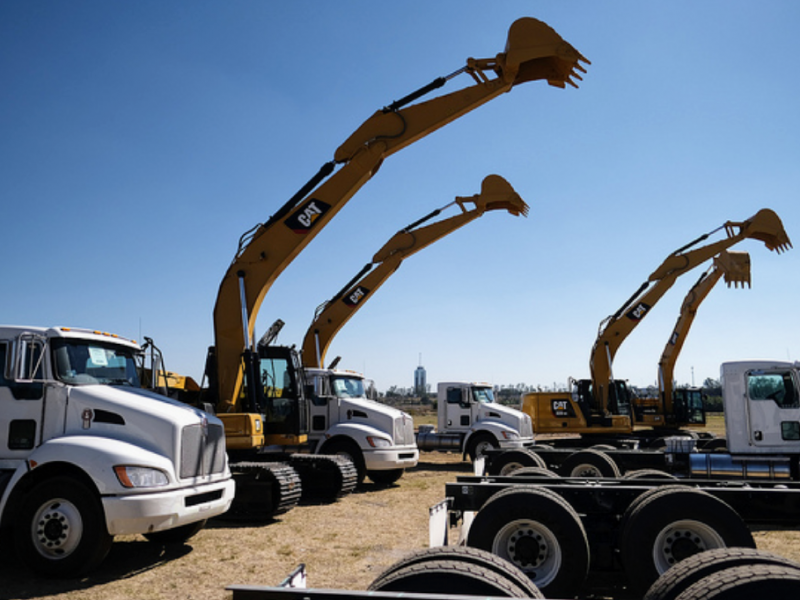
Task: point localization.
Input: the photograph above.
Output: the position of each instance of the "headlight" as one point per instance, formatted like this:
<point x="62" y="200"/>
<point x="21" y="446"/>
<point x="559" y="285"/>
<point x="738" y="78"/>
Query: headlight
<point x="377" y="442"/>
<point x="510" y="435"/>
<point x="140" y="477"/>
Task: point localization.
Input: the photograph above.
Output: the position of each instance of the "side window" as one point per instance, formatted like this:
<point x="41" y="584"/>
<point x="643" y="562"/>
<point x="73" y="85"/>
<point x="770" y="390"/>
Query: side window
<point x="28" y="390"/>
<point x="454" y="395"/>
<point x="775" y="387"/>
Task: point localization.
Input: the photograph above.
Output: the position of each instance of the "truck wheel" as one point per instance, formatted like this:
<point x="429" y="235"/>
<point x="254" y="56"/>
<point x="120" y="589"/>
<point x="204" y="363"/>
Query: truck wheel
<point x="177" y="535"/>
<point x="448" y="577"/>
<point x="691" y="570"/>
<point x="666" y="525"/>
<point x="465" y="554"/>
<point x="351" y="451"/>
<point x="479" y="444"/>
<point x="511" y="460"/>
<point x="61" y="529"/>
<point x="589" y="463"/>
<point x="538" y="531"/>
<point x="387" y="477"/>
<point x="745" y="583"/>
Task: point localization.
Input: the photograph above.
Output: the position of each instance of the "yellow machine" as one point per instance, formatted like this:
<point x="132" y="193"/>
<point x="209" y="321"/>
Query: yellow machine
<point x="602" y="404"/>
<point x="681" y="407"/>
<point x="258" y="390"/>
<point x="330" y="317"/>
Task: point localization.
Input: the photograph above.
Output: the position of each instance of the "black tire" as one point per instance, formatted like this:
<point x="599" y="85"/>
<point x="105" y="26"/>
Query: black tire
<point x="478" y="442"/>
<point x="648" y="474"/>
<point x="61" y="529"/>
<point x="745" y="583"/>
<point x="475" y="556"/>
<point x="691" y="570"/>
<point x="538" y="531"/>
<point x="589" y="463"/>
<point x="535" y="472"/>
<point x="509" y="461"/>
<point x="350" y="450"/>
<point x="385" y="478"/>
<point x="666" y="525"/>
<point x="178" y="535"/>
<point x="448" y="577"/>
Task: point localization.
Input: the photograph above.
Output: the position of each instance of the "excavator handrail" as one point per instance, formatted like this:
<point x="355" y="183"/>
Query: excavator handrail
<point x="534" y="51"/>
<point x="331" y="316"/>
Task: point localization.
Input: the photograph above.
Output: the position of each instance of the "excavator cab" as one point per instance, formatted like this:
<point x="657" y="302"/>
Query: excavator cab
<point x="281" y="387"/>
<point x="688" y="407"/>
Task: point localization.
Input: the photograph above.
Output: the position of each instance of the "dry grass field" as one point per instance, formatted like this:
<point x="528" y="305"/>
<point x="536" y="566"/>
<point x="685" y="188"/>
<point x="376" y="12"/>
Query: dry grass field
<point x="344" y="545"/>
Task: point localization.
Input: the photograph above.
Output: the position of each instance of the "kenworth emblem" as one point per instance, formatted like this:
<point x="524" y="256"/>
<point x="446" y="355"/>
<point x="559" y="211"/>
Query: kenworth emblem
<point x="356" y="296"/>
<point x="304" y="218"/>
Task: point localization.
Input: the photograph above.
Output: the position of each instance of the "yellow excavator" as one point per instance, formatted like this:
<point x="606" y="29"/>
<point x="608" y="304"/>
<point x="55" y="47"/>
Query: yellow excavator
<point x="684" y="407"/>
<point x="258" y="398"/>
<point x="600" y="407"/>
<point x="496" y="194"/>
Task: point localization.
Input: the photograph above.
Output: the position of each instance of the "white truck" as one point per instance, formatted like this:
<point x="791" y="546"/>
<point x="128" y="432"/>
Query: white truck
<point x="85" y="454"/>
<point x="378" y="439"/>
<point x="470" y="421"/>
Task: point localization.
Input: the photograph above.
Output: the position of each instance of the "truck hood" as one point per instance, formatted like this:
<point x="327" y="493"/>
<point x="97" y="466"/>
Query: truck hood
<point x="508" y="415"/>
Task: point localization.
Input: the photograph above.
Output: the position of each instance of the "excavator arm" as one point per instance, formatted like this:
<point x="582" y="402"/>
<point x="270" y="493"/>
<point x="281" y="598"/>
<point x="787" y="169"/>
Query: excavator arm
<point x="496" y="194"/>
<point x="764" y="226"/>
<point x="735" y="268"/>
<point x="534" y="51"/>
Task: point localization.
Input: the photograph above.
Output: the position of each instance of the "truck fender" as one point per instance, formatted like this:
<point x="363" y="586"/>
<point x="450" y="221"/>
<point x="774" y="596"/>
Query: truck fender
<point x="355" y="431"/>
<point x="495" y="428"/>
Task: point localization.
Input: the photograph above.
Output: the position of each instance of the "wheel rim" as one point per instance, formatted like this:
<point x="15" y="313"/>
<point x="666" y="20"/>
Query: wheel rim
<point x="482" y="446"/>
<point x="682" y="539"/>
<point x="510" y="468"/>
<point x="586" y="470"/>
<point x="57" y="528"/>
<point x="532" y="547"/>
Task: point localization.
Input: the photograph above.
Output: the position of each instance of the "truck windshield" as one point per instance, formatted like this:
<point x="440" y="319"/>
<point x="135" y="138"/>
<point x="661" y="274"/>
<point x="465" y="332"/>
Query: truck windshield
<point x="84" y="362"/>
<point x="348" y="387"/>
<point x="483" y="395"/>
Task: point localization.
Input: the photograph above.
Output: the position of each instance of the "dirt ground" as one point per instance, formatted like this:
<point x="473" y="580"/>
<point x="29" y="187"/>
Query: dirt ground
<point x="344" y="545"/>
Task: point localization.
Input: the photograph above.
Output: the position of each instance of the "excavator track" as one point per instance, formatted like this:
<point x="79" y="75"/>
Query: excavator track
<point x="325" y="477"/>
<point x="264" y="490"/>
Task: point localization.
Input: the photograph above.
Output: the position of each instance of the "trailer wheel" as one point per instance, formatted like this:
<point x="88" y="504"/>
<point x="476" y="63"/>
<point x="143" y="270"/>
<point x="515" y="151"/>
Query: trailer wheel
<point x="61" y="529"/>
<point x="178" y="535"/>
<point x="691" y="570"/>
<point x="385" y="478"/>
<point x="511" y="460"/>
<point x="479" y="444"/>
<point x="448" y="577"/>
<point x="665" y="525"/>
<point x="535" y="472"/>
<point x="589" y="463"/>
<point x="745" y="583"/>
<point x="538" y="531"/>
<point x="648" y="474"/>
<point x="465" y="554"/>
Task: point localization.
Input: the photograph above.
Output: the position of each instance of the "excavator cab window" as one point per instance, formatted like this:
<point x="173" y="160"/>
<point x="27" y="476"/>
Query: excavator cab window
<point x="619" y="398"/>
<point x="281" y="408"/>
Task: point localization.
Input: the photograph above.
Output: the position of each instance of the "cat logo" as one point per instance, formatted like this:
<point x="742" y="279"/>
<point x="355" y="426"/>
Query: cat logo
<point x="356" y="296"/>
<point x="562" y="409"/>
<point x="304" y="218"/>
<point x="638" y="312"/>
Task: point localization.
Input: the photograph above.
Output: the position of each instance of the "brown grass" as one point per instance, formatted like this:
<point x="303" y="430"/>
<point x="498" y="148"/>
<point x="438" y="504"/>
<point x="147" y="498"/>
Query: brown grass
<point x="344" y="545"/>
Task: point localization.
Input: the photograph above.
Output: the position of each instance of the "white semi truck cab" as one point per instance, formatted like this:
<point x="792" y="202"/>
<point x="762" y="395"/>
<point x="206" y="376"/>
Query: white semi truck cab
<point x="470" y="421"/>
<point x="86" y="454"/>
<point x="378" y="438"/>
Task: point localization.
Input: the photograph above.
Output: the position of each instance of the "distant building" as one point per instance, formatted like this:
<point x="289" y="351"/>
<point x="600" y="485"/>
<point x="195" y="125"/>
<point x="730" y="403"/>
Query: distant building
<point x="420" y="381"/>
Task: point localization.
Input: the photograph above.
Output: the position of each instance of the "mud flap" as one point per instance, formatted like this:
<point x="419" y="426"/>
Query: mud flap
<point x="478" y="466"/>
<point x="439" y="523"/>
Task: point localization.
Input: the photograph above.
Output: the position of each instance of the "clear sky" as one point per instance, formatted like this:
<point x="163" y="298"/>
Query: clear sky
<point x="139" y="140"/>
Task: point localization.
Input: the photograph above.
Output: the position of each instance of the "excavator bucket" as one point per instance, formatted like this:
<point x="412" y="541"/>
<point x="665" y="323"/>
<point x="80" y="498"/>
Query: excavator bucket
<point x="535" y="51"/>
<point x="497" y="194"/>
<point x="735" y="267"/>
<point x="765" y="226"/>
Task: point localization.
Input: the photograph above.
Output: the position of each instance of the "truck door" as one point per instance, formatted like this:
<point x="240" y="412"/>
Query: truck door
<point x="459" y="409"/>
<point x="21" y="398"/>
<point x="324" y="409"/>
<point x="774" y="409"/>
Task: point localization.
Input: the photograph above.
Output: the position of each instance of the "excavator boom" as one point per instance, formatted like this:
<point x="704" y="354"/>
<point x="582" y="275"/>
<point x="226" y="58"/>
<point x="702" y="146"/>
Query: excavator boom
<point x="764" y="226"/>
<point x="534" y="51"/>
<point x="734" y="268"/>
<point x="496" y="194"/>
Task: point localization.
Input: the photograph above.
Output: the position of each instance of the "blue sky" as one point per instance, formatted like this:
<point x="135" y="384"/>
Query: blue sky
<point x="139" y="140"/>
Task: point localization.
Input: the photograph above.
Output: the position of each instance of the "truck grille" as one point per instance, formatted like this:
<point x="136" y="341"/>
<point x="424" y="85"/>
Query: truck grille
<point x="201" y="454"/>
<point x="404" y="431"/>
